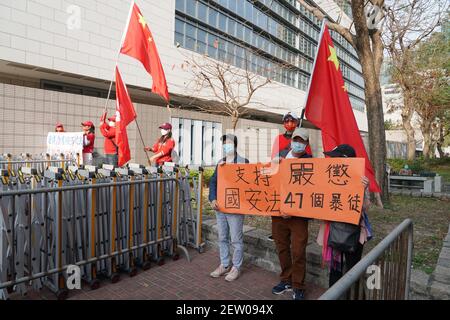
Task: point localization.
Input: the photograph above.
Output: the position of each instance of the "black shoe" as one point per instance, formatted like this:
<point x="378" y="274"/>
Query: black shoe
<point x="298" y="294"/>
<point x="270" y="238"/>
<point x="281" y="287"/>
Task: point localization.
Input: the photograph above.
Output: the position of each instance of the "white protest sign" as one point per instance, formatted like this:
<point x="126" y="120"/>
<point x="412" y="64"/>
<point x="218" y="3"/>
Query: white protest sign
<point x="67" y="143"/>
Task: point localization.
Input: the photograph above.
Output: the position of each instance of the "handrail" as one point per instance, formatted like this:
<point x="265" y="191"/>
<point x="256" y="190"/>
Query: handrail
<point x="354" y="274"/>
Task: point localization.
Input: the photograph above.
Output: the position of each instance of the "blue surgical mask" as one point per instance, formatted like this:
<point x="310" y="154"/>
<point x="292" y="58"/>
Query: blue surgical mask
<point x="228" y="148"/>
<point x="298" y="147"/>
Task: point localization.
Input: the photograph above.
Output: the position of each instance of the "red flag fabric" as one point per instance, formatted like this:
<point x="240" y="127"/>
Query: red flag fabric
<point x="125" y="114"/>
<point x="140" y="44"/>
<point x="328" y="106"/>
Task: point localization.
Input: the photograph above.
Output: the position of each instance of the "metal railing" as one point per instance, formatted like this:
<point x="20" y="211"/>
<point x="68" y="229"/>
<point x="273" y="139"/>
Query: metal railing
<point x="392" y="259"/>
<point x="100" y="220"/>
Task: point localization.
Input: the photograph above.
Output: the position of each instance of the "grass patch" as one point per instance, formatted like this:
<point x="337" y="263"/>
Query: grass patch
<point x="431" y="218"/>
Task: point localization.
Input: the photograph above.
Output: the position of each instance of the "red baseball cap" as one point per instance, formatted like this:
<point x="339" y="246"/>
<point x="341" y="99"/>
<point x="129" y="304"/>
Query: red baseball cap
<point x="112" y="118"/>
<point x="59" y="124"/>
<point x="87" y="123"/>
<point x="166" y="126"/>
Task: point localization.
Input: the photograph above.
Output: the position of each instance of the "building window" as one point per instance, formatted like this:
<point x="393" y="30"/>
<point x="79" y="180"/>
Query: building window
<point x="191" y="6"/>
<point x="288" y="40"/>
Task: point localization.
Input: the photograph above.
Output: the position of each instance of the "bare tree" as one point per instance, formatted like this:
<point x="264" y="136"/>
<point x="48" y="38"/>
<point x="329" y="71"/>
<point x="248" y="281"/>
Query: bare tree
<point x="431" y="101"/>
<point x="232" y="87"/>
<point x="364" y="34"/>
<point x="408" y="23"/>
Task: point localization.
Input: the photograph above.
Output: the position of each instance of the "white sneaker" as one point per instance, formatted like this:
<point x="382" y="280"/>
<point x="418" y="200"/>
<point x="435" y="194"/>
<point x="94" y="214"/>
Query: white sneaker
<point x="220" y="271"/>
<point x="233" y="274"/>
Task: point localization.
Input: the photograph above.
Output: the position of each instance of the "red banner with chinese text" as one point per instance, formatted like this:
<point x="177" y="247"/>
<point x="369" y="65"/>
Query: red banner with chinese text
<point x="325" y="189"/>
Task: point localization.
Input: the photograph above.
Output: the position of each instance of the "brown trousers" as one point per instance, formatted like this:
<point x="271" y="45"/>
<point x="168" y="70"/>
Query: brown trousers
<point x="291" y="237"/>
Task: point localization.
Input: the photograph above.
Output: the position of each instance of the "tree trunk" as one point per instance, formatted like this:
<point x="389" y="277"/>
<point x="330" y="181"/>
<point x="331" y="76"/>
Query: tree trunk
<point x="377" y="137"/>
<point x="426" y="146"/>
<point x="440" y="150"/>
<point x="440" y="141"/>
<point x="427" y="139"/>
<point x="234" y="121"/>
<point x="375" y="118"/>
<point x="407" y="114"/>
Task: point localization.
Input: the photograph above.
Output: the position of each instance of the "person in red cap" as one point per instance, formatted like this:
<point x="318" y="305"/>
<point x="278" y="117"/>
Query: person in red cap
<point x="283" y="141"/>
<point x="163" y="146"/>
<point x="88" y="142"/>
<point x="59" y="127"/>
<point x="108" y="130"/>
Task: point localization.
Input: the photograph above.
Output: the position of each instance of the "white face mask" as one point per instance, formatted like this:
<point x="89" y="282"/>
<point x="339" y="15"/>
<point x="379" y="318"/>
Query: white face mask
<point x="164" y="132"/>
<point x="112" y="124"/>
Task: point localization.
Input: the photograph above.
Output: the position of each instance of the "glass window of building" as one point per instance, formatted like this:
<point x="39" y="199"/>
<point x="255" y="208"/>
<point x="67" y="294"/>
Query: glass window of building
<point x="222" y="22"/>
<point x="191" y="6"/>
<point x="212" y="17"/>
<point x="179" y="5"/>
<point x="202" y="12"/>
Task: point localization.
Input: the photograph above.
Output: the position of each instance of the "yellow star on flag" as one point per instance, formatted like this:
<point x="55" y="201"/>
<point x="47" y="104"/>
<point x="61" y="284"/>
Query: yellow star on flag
<point x="333" y="57"/>
<point x="345" y="87"/>
<point x="142" y="20"/>
<point x="150" y="39"/>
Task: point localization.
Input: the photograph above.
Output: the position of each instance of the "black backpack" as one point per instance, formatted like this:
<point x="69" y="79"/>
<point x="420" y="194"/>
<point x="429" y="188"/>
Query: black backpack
<point x="344" y="236"/>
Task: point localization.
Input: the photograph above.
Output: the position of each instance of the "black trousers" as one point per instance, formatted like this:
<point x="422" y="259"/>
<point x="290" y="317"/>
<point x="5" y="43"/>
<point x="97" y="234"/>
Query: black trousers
<point x="349" y="261"/>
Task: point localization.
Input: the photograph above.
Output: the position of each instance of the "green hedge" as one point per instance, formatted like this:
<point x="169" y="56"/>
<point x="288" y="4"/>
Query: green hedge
<point x="419" y="165"/>
<point x="207" y="174"/>
<point x="416" y="165"/>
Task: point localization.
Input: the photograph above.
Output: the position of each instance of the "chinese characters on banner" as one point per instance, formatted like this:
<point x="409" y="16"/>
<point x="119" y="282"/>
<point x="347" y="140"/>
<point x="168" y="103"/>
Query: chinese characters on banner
<point x="68" y="143"/>
<point x="325" y="189"/>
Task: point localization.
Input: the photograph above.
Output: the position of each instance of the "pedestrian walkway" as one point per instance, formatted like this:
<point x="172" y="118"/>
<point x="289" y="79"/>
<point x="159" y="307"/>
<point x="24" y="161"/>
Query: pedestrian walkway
<point x="183" y="280"/>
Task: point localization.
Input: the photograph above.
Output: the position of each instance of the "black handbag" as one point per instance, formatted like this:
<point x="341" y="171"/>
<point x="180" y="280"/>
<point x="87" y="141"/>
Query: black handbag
<point x="344" y="236"/>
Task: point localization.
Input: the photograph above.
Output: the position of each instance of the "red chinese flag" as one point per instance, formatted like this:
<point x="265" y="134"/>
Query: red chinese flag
<point x="124" y="115"/>
<point x="328" y="106"/>
<point x="139" y="44"/>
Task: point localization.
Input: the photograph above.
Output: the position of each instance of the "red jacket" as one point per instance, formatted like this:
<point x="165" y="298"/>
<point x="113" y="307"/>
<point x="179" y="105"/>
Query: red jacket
<point x="110" y="138"/>
<point x="166" y="148"/>
<point x="281" y="142"/>
<point x="89" y="144"/>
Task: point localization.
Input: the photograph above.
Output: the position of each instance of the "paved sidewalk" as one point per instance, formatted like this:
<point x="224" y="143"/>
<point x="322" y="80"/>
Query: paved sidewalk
<point x="180" y="279"/>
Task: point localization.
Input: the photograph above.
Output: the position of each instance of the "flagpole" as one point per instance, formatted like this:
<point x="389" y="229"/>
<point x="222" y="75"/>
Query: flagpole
<point x="118" y="55"/>
<point x="322" y="28"/>
<point x="142" y="139"/>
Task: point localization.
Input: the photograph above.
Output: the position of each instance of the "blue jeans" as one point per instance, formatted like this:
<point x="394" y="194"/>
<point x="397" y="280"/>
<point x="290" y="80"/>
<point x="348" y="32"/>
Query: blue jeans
<point x="231" y="226"/>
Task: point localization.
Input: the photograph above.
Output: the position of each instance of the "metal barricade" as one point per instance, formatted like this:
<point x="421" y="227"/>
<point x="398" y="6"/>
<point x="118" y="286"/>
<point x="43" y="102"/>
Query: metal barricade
<point x="39" y="162"/>
<point x="389" y="273"/>
<point x="105" y="220"/>
<point x="191" y="208"/>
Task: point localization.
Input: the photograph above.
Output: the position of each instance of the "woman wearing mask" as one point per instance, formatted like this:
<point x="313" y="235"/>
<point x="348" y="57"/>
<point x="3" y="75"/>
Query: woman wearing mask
<point x="229" y="225"/>
<point x="88" y="142"/>
<point x="163" y="146"/>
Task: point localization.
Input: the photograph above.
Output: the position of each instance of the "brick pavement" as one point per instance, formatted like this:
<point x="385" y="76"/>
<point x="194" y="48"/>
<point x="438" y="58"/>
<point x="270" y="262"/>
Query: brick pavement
<point x="181" y="280"/>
